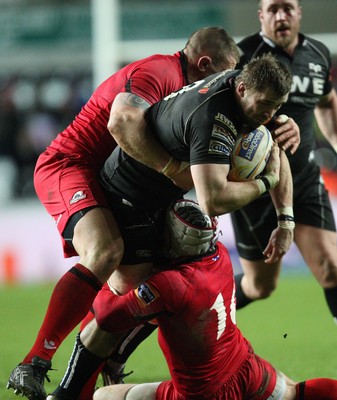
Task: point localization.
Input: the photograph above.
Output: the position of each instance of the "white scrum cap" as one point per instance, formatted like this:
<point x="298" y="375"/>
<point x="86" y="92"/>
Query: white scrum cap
<point x="190" y="232"/>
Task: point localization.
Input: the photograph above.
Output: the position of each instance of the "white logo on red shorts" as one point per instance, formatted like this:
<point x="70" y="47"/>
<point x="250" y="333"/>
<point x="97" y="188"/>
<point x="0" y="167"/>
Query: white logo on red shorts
<point x="77" y="197"/>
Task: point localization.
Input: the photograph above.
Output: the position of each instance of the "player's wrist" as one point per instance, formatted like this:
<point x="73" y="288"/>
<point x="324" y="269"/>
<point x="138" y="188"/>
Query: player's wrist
<point x="170" y="168"/>
<point x="285" y="218"/>
<point x="267" y="182"/>
<point x="285" y="211"/>
<point x="173" y="168"/>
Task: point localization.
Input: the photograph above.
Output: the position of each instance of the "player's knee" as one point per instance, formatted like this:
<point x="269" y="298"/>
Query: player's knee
<point x="328" y="276"/>
<point x="102" y="259"/>
<point x="258" y="287"/>
<point x="264" y="290"/>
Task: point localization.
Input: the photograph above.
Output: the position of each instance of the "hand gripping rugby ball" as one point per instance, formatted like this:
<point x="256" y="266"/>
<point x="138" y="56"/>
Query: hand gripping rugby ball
<point x="250" y="154"/>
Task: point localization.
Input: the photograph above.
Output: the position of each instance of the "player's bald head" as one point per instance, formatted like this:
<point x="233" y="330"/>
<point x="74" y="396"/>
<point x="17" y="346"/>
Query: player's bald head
<point x="214" y="42"/>
<point x="260" y="3"/>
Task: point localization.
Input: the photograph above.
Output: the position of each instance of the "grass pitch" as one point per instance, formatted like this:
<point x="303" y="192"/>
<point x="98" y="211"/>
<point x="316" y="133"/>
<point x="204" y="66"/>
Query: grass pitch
<point x="293" y="329"/>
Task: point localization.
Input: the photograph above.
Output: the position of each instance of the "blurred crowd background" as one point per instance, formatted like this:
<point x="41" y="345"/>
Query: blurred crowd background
<point x="46" y="68"/>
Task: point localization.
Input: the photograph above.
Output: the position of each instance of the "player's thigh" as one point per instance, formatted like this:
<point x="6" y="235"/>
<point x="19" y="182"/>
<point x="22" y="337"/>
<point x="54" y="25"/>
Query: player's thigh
<point x="116" y="392"/>
<point x="319" y="250"/>
<point x="143" y="391"/>
<point x="252" y="227"/>
<point x="68" y="186"/>
<point x="98" y="241"/>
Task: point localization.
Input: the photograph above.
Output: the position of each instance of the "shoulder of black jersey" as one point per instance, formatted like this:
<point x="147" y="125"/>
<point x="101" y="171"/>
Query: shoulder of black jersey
<point x="316" y="45"/>
<point x="247" y="48"/>
<point x="249" y="41"/>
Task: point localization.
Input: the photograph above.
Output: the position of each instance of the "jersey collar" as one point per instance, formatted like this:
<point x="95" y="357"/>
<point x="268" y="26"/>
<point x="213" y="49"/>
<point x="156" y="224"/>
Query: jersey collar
<point x="183" y="63"/>
<point x="301" y="40"/>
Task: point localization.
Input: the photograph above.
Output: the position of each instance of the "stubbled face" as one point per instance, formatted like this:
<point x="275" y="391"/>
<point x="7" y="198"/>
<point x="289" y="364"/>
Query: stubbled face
<point x="259" y="108"/>
<point x="280" y="21"/>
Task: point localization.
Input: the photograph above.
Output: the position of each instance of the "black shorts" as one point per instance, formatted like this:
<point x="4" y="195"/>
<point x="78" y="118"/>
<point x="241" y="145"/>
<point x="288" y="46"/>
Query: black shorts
<point x="142" y="231"/>
<point x="254" y="223"/>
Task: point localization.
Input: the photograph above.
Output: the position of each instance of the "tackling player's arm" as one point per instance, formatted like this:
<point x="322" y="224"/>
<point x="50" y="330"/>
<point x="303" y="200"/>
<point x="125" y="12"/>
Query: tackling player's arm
<point x="326" y="117"/>
<point x="286" y="133"/>
<point x="282" y="196"/>
<point x="216" y="195"/>
<point x="128" y="127"/>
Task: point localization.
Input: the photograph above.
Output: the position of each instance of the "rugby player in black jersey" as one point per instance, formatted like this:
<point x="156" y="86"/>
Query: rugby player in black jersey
<point x="198" y="125"/>
<point x="312" y="96"/>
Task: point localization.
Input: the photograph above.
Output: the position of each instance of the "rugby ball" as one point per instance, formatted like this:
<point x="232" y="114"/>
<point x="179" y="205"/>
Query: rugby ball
<point x="250" y="154"/>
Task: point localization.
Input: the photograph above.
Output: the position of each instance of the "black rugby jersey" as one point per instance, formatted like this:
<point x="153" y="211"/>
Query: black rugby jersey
<point x="310" y="65"/>
<point x="198" y="124"/>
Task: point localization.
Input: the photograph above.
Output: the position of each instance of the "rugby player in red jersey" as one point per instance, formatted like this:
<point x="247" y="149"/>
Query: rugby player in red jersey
<point x="193" y="304"/>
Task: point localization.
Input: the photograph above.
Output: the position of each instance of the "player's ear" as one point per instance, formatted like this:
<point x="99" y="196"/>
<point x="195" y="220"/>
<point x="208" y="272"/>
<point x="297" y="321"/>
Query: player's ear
<point x="300" y="12"/>
<point x="204" y="62"/>
<point x="241" y="88"/>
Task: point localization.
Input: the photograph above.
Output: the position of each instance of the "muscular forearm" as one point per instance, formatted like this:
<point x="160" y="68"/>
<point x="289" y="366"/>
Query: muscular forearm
<point x="282" y="194"/>
<point x="235" y="196"/>
<point x="128" y="127"/>
<point x="218" y="196"/>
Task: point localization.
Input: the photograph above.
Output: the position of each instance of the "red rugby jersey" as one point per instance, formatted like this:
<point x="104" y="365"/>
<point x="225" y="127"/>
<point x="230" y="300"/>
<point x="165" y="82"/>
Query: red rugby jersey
<point x="151" y="78"/>
<point x="194" y="306"/>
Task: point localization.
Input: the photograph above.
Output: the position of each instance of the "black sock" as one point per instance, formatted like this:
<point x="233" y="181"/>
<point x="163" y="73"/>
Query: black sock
<point x="331" y="299"/>
<point x="81" y="366"/>
<point x="241" y="299"/>
<point x="130" y="341"/>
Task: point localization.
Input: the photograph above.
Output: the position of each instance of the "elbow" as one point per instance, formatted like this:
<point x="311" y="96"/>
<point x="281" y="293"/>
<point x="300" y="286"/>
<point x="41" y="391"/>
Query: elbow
<point x="115" y="124"/>
<point x="214" y="208"/>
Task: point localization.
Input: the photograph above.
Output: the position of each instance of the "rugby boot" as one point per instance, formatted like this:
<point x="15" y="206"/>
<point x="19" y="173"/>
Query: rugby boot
<point x="28" y="379"/>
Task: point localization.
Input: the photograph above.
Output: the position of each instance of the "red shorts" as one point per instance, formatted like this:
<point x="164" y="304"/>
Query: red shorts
<point x="65" y="186"/>
<point x="254" y="380"/>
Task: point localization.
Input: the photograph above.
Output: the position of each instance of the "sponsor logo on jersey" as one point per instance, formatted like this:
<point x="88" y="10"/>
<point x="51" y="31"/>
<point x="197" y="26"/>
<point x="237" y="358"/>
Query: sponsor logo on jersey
<point x="146" y="294"/>
<point x="219" y="132"/>
<point x="222" y="140"/>
<point x="217" y="147"/>
<point x="219" y="76"/>
<point x="80" y="195"/>
<point x="203" y="90"/>
<point x="302" y="85"/>
<point x="144" y="253"/>
<point x="316" y="68"/>
<point x="223" y="119"/>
